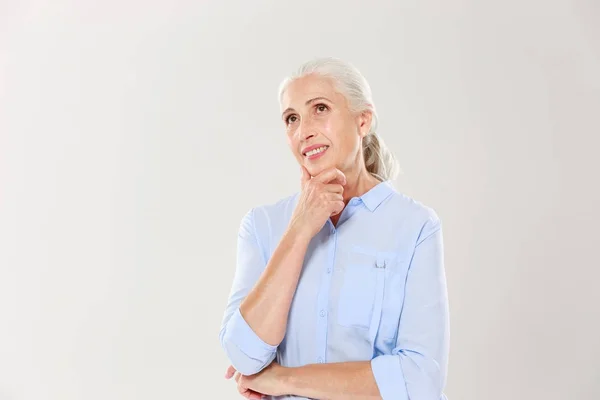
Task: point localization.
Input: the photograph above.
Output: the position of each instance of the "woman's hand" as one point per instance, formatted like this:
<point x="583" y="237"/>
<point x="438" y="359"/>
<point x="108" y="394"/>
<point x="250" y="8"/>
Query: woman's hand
<point x="269" y="381"/>
<point x="321" y="198"/>
<point x="241" y="387"/>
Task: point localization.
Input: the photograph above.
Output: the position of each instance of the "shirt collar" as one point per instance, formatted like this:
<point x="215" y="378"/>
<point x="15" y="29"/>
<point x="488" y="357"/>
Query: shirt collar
<point x="377" y="194"/>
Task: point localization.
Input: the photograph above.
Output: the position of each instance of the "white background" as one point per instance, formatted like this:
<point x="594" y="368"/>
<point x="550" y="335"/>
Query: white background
<point x="134" y="135"/>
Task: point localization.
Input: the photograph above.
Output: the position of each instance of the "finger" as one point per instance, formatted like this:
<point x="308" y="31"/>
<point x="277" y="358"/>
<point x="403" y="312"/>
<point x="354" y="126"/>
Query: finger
<point x="237" y="376"/>
<point x="243" y="391"/>
<point x="337" y="207"/>
<point x="230" y="371"/>
<point x="334" y="197"/>
<point x="334" y="188"/>
<point x="305" y="175"/>
<point x="331" y="175"/>
<point x="254" y="395"/>
<point x="250" y="394"/>
<point x="247" y="392"/>
<point x="241" y="388"/>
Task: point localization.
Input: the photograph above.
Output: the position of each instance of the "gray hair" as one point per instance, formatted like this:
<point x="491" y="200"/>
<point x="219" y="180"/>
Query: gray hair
<point x="347" y="79"/>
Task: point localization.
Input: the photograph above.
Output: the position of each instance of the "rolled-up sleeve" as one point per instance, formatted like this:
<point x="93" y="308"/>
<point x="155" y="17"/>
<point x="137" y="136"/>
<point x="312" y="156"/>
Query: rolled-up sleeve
<point x="417" y="366"/>
<point x="246" y="351"/>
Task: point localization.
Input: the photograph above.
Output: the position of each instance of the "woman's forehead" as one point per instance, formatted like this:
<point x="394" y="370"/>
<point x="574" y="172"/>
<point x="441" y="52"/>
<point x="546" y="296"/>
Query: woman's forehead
<point x="306" y="88"/>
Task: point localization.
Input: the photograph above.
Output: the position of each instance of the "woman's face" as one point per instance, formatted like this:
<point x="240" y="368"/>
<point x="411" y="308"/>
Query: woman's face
<point x="317" y="117"/>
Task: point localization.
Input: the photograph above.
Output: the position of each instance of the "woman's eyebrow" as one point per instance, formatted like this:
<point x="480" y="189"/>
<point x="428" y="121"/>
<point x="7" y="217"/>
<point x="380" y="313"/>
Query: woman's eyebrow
<point x="306" y="103"/>
<point x="315" y="99"/>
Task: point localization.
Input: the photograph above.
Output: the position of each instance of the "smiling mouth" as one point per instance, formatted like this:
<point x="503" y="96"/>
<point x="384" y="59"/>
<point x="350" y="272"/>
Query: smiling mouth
<point x="315" y="151"/>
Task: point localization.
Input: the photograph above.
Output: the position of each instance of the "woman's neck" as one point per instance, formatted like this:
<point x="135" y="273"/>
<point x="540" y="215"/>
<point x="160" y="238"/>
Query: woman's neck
<point x="358" y="185"/>
<point x="355" y="188"/>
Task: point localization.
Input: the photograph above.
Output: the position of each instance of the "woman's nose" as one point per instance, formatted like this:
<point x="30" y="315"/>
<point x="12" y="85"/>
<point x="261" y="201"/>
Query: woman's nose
<point x="305" y="131"/>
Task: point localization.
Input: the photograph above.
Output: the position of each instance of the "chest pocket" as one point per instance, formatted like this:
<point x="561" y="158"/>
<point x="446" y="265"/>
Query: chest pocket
<point x="370" y="295"/>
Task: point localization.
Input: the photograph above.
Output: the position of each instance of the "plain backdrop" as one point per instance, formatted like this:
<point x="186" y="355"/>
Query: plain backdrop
<point x="134" y="135"/>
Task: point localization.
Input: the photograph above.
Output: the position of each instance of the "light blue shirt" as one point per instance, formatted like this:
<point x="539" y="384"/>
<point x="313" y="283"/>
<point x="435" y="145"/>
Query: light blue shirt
<point x="372" y="288"/>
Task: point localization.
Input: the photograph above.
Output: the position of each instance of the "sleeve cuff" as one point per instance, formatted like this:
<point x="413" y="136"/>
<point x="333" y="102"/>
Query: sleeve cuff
<point x="241" y="335"/>
<point x="389" y="377"/>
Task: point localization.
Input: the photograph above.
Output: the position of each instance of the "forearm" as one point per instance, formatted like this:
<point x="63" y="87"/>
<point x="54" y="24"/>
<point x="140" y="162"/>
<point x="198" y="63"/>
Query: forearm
<point x="267" y="305"/>
<point x="332" y="381"/>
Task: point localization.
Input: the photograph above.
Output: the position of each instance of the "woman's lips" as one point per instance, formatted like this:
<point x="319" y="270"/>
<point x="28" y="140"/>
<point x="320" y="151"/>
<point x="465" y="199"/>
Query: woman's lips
<point x="317" y="155"/>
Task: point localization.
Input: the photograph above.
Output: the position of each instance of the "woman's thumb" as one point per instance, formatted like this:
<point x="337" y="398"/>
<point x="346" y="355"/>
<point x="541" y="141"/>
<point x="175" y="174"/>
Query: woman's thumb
<point x="305" y="174"/>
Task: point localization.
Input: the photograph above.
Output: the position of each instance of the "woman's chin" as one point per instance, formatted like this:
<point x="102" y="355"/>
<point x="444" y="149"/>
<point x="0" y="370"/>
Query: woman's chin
<point x="315" y="167"/>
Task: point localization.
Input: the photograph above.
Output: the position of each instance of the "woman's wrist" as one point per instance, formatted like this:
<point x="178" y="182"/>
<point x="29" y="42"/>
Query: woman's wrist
<point x="286" y="378"/>
<point x="298" y="233"/>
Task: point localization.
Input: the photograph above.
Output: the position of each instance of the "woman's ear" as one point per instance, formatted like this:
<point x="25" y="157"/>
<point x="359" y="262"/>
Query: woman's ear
<point x="364" y="122"/>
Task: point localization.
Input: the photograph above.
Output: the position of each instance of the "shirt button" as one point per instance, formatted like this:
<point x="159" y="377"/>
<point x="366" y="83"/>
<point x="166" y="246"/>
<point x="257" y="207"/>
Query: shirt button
<point x="322" y="313"/>
<point x="320" y="360"/>
<point x="328" y="270"/>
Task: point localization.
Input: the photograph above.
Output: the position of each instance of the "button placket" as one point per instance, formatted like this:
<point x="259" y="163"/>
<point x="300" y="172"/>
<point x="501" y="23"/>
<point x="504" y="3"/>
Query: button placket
<point x="323" y="299"/>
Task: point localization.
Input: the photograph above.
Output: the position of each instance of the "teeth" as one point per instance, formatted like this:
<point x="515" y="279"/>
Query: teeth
<point x="315" y="151"/>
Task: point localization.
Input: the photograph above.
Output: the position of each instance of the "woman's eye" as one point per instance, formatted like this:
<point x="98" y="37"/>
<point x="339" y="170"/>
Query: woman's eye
<point x="289" y="119"/>
<point x="321" y="107"/>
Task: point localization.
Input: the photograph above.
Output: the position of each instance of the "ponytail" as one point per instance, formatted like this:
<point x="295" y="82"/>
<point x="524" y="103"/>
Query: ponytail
<point x="379" y="160"/>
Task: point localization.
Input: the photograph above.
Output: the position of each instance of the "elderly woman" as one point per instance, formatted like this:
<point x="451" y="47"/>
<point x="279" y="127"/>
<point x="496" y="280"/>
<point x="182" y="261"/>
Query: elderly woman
<point x="340" y="289"/>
